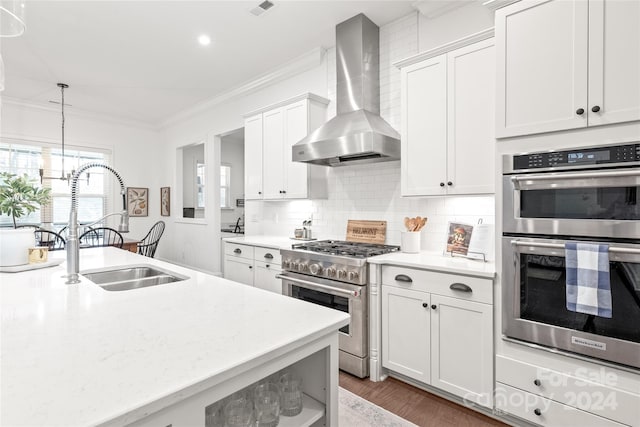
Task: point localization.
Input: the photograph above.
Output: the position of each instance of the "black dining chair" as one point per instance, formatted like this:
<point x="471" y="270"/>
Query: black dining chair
<point x="149" y="243"/>
<point x="50" y="239"/>
<point x="101" y="236"/>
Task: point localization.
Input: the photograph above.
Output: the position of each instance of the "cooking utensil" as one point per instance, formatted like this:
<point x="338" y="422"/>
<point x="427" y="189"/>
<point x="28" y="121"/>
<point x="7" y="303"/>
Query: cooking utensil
<point x="414" y="224"/>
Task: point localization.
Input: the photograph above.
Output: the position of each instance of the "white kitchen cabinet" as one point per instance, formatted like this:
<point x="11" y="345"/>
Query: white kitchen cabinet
<point x="406" y="332"/>
<point x="253" y="265"/>
<point x="448" y="120"/>
<point x="437" y="328"/>
<point x="253" y="157"/>
<point x="264" y="276"/>
<point x="589" y="393"/>
<point x="269" y="134"/>
<point x="566" y="64"/>
<point x="461" y="347"/>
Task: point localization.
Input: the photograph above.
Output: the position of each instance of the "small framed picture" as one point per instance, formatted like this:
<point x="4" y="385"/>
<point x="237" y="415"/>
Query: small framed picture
<point x="138" y="201"/>
<point x="165" y="201"/>
<point x="459" y="237"/>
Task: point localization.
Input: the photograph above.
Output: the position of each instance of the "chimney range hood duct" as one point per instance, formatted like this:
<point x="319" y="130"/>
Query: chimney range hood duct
<point x="357" y="134"/>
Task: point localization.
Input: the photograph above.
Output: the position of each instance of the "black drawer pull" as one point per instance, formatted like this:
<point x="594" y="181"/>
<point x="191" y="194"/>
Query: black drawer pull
<point x="425" y="304"/>
<point x="537" y="411"/>
<point x="460" y="287"/>
<point x="268" y="256"/>
<point x="537" y="382"/>
<point x="237" y="251"/>
<point x="403" y="278"/>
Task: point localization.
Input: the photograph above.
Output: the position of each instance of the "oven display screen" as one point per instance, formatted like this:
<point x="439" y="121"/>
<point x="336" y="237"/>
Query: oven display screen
<point x="588" y="157"/>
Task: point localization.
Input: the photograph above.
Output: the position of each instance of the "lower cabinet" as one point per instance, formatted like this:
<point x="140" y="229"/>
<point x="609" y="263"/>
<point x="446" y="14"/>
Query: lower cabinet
<point x="584" y="396"/>
<point x="432" y="336"/>
<point x="253" y="265"/>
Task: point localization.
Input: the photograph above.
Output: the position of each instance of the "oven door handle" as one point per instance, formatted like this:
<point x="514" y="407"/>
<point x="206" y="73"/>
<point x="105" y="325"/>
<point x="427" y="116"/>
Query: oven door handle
<point x="614" y="249"/>
<point x="524" y="181"/>
<point x="320" y="287"/>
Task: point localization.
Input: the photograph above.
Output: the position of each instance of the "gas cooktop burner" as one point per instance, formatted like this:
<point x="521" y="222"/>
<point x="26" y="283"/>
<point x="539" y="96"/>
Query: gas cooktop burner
<point x="350" y="249"/>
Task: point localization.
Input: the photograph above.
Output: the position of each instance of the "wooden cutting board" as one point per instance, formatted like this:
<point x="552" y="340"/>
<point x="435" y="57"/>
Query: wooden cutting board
<point x="366" y="231"/>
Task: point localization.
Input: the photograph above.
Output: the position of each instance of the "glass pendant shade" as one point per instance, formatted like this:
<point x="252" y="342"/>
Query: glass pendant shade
<point x="12" y="18"/>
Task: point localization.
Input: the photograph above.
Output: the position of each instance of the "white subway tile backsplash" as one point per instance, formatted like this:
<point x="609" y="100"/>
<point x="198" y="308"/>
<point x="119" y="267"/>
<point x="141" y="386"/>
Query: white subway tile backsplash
<point x="372" y="191"/>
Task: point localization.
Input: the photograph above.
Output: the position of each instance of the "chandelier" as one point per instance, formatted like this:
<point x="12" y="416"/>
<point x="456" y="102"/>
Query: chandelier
<point x="64" y="176"/>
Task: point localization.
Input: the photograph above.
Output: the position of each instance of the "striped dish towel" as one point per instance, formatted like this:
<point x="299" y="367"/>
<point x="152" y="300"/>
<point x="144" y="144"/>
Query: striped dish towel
<point x="588" y="286"/>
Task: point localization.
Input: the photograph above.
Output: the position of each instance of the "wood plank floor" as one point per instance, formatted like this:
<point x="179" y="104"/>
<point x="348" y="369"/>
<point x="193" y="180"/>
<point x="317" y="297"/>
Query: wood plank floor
<point x="413" y="404"/>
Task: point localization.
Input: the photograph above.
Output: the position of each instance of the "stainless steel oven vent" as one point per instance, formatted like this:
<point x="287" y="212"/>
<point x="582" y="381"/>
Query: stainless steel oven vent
<point x="357" y="134"/>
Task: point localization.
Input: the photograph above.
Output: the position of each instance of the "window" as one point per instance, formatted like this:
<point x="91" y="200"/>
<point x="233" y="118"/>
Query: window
<point x="20" y="157"/>
<point x="225" y="187"/>
<point x="200" y="185"/>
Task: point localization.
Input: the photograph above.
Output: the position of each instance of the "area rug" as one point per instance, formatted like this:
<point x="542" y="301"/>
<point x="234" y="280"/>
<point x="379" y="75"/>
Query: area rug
<point x="354" y="411"/>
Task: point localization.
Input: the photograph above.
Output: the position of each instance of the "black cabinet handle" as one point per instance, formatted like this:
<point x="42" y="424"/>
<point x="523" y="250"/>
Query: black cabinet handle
<point x="267" y="266"/>
<point x="425" y="304"/>
<point x="595" y="109"/>
<point x="433" y="306"/>
<point x="237" y="251"/>
<point x="403" y="278"/>
<point x="537" y="411"/>
<point x="284" y="191"/>
<point x="449" y="183"/>
<point x="537" y="382"/>
<point x="250" y="267"/>
<point x="580" y="111"/>
<point x="268" y="256"/>
<point x="442" y="184"/>
<point x="259" y="192"/>
<point x="460" y="287"/>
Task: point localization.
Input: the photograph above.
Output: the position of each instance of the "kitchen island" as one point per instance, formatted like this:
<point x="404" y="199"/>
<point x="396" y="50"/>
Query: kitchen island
<point x="81" y="355"/>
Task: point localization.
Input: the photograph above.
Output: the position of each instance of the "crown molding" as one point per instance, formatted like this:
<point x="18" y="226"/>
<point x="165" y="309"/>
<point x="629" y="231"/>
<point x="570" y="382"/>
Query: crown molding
<point x="17" y="102"/>
<point x="303" y="63"/>
<point x="308" y="95"/>
<point x="465" y="41"/>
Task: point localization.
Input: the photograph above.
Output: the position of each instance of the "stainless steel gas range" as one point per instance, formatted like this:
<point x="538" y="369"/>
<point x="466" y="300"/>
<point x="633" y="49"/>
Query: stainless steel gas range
<point x="335" y="274"/>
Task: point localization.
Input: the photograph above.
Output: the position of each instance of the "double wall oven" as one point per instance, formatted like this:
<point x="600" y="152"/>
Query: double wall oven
<point x="549" y="198"/>
<point x="335" y="274"/>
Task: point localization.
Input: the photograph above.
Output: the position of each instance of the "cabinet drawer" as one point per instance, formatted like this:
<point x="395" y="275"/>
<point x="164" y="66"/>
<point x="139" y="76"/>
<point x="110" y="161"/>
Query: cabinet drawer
<point x="545" y="412"/>
<point x="268" y="255"/>
<point x="439" y="283"/>
<point x="240" y="251"/>
<point x="600" y="399"/>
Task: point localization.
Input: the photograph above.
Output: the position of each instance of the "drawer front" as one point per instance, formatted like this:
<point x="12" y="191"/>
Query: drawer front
<point x="268" y="255"/>
<point x="544" y="412"/>
<point x="600" y="399"/>
<point x="449" y="285"/>
<point x="239" y="251"/>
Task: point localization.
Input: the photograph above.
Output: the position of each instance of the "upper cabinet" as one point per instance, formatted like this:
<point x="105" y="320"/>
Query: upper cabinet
<point x="448" y="119"/>
<point x="270" y="174"/>
<point x="566" y="64"/>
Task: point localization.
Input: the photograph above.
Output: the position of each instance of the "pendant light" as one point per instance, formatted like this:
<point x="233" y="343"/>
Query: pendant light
<point x="12" y="18"/>
<point x="64" y="176"/>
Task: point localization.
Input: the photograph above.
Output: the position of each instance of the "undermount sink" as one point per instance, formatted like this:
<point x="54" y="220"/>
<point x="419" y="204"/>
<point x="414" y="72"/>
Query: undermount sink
<point x="131" y="277"/>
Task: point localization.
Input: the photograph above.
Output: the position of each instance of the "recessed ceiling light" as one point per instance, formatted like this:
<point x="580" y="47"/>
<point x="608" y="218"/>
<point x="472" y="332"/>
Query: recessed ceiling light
<point x="204" y="40"/>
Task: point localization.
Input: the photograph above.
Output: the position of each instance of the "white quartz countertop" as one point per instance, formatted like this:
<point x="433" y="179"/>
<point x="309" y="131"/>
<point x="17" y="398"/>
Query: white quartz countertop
<point x="273" y="242"/>
<point x="79" y="355"/>
<point x="435" y="261"/>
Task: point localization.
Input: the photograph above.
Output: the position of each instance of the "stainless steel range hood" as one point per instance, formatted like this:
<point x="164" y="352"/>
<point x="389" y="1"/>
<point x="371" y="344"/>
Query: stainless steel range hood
<point x="357" y="134"/>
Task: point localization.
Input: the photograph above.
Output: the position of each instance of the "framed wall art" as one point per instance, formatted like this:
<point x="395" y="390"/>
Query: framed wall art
<point x="138" y="201"/>
<point x="165" y="201"/>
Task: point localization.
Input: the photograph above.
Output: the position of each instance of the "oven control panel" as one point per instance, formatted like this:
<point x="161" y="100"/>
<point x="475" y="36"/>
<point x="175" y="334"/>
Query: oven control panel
<point x="610" y="155"/>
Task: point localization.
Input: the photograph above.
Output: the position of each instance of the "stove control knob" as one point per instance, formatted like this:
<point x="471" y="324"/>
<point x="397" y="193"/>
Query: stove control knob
<point x="315" y="268"/>
<point x="303" y="267"/>
<point x="286" y="263"/>
<point x="342" y="274"/>
<point x="353" y="275"/>
<point x="331" y="272"/>
<point x="293" y="265"/>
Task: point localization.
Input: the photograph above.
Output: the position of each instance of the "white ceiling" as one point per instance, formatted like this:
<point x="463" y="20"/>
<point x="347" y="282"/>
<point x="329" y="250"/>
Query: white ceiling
<point x="140" y="60"/>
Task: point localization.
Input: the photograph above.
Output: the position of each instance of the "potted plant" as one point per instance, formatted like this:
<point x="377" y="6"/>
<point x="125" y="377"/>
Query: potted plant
<point x="18" y="196"/>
